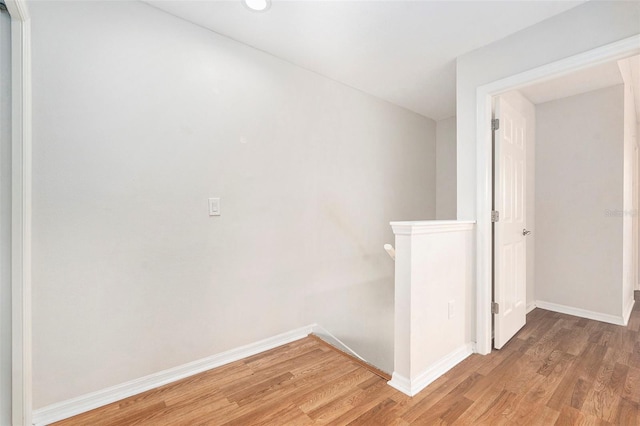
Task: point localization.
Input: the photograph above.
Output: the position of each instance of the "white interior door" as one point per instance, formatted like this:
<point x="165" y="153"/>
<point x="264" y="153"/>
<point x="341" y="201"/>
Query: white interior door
<point x="510" y="257"/>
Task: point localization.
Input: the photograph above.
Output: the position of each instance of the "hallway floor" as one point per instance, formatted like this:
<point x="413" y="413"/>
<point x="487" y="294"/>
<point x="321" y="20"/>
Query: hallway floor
<point x="558" y="369"/>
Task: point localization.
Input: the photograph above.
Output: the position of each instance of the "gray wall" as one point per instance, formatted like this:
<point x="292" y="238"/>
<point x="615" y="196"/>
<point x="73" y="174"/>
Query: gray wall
<point x="579" y="181"/>
<point x="140" y="117"/>
<point x="446" y="168"/>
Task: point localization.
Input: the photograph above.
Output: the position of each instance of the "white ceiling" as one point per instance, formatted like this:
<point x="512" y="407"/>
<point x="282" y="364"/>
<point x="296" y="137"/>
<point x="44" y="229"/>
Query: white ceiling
<point x="401" y="51"/>
<point x="587" y="80"/>
<point x="594" y="78"/>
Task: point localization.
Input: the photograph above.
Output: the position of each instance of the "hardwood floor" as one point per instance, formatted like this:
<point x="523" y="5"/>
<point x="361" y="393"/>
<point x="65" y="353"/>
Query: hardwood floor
<point x="558" y="370"/>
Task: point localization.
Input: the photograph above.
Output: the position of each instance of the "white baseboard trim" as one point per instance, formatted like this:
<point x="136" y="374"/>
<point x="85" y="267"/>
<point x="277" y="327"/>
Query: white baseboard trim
<point x="583" y="313"/>
<point x="531" y="306"/>
<point x="65" y="409"/>
<point x="401" y="383"/>
<point x="627" y="311"/>
<point x="437" y="369"/>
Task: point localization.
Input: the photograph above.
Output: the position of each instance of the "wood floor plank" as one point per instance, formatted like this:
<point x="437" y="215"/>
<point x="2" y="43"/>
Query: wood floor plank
<point x="281" y="367"/>
<point x="496" y="413"/>
<point x="281" y="414"/>
<point x="358" y="409"/>
<point x="570" y="416"/>
<point x="333" y="389"/>
<point x="532" y="415"/>
<point x="181" y="412"/>
<point x="570" y="391"/>
<point x="542" y="391"/>
<point x="500" y="374"/>
<point x="631" y="389"/>
<point x="551" y="362"/>
<point x="413" y="407"/>
<point x="604" y="398"/>
<point x="527" y="375"/>
<point x="302" y="385"/>
<point x="628" y="413"/>
<point x="273" y="356"/>
<point x="497" y="358"/>
<point x="630" y="338"/>
<point x="479" y="407"/>
<point x="376" y="414"/>
<point x="435" y="412"/>
<point x="549" y="340"/>
<point x="338" y="406"/>
<point x="576" y="343"/>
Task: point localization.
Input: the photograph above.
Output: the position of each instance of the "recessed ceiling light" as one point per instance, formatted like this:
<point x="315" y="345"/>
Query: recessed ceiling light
<point x="257" y="5"/>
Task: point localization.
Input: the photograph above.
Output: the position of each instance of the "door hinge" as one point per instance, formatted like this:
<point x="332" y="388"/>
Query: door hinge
<point x="495" y="215"/>
<point x="495" y="308"/>
<point x="495" y="124"/>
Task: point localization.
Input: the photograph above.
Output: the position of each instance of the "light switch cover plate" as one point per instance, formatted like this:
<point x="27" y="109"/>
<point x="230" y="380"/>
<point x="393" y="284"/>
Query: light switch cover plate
<point x="214" y="206"/>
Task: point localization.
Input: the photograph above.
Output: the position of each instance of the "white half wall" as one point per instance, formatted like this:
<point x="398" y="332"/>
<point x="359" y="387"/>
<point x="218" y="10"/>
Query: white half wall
<point x="433" y="305"/>
<point x="446" y="169"/>
<point x="139" y="118"/>
<point x="579" y="201"/>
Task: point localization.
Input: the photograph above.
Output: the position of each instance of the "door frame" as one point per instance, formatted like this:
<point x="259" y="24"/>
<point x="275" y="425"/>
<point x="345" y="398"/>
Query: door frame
<point x="484" y="162"/>
<point x="21" y="394"/>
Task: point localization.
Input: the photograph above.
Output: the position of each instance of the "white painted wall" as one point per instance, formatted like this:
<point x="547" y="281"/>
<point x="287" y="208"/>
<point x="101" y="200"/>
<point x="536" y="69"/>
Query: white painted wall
<point x="446" y="168"/>
<point x="528" y="111"/>
<point x="579" y="192"/>
<point x="580" y="29"/>
<point x="139" y="118"/>
<point x="437" y="284"/>
<point x="5" y="219"/>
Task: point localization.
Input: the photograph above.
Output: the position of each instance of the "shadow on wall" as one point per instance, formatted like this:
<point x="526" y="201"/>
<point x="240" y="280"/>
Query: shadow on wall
<point x="368" y="330"/>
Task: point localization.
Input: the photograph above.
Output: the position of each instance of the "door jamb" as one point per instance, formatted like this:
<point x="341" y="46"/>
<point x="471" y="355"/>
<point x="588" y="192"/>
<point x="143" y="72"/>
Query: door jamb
<point x="21" y="394"/>
<point x="484" y="162"/>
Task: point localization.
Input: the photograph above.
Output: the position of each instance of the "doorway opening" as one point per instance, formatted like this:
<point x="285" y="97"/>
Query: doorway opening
<point x="613" y="52"/>
<point x="579" y="132"/>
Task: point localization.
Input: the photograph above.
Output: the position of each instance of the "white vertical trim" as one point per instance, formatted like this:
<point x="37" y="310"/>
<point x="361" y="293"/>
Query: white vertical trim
<point x="483" y="225"/>
<point x="21" y="395"/>
<point x="614" y="51"/>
